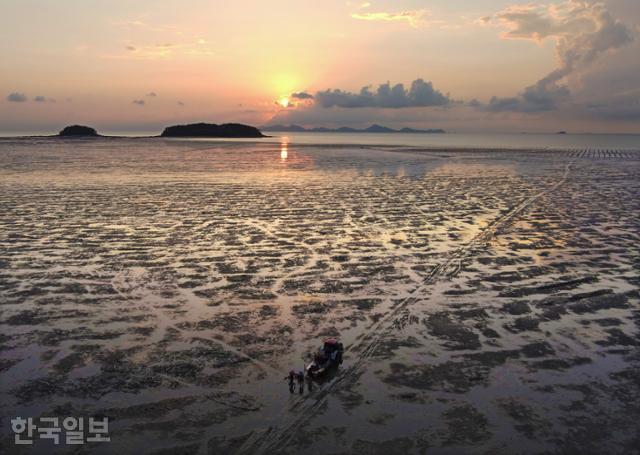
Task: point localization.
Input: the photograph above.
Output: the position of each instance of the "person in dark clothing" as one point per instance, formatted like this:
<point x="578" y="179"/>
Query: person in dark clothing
<point x="296" y="376"/>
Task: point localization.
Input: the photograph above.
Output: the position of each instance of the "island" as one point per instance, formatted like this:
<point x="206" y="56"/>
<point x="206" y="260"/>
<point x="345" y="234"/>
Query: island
<point x="345" y="129"/>
<point x="212" y="130"/>
<point x="78" y="131"/>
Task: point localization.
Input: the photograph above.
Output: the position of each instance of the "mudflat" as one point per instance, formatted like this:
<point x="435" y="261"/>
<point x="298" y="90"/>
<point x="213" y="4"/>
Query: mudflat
<point x="488" y="301"/>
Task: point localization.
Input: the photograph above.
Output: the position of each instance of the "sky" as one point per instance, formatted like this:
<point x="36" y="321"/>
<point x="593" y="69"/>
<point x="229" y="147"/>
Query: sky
<point x="475" y="65"/>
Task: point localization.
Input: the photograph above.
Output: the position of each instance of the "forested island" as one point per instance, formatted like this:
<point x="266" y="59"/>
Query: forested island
<point x="212" y="130"/>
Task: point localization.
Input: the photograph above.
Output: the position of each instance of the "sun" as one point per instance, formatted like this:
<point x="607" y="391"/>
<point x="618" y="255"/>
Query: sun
<point x="284" y="101"/>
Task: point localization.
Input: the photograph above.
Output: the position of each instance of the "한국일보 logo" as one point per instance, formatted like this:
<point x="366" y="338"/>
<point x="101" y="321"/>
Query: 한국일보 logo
<point x="72" y="428"/>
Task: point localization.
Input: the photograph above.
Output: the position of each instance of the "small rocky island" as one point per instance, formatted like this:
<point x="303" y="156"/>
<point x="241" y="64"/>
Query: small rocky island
<point x="212" y="130"/>
<point x="78" y="131"/>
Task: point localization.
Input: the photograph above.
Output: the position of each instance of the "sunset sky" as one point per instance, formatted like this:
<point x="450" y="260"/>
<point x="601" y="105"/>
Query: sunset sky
<point x="481" y="65"/>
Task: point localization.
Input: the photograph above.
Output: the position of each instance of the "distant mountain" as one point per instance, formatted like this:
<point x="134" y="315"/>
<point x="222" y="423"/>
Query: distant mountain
<point x="290" y="128"/>
<point x="212" y="130"/>
<point x="78" y="131"/>
<point x="379" y="129"/>
<point x="345" y="129"/>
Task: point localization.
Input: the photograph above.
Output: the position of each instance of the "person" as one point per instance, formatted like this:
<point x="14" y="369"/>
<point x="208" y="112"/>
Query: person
<point x="291" y="378"/>
<point x="294" y="377"/>
<point x="320" y="357"/>
<point x="300" y="378"/>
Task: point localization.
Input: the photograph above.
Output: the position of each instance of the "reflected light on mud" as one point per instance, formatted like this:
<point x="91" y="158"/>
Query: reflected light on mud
<point x="284" y="148"/>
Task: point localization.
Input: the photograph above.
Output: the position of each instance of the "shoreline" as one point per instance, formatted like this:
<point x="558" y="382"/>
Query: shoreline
<point x="310" y="140"/>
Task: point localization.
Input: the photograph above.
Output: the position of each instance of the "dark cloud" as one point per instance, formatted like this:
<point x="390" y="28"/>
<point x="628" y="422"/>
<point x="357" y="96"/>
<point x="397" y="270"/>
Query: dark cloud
<point x="130" y="48"/>
<point x="420" y="94"/>
<point x="474" y="103"/>
<point x="17" y="97"/>
<point x="139" y="102"/>
<point x="540" y="97"/>
<point x="180" y="103"/>
<point x="621" y="108"/>
<point x="583" y="32"/>
<point x="152" y="94"/>
<point x="501" y="104"/>
<point x="43" y="99"/>
<point x="302" y="96"/>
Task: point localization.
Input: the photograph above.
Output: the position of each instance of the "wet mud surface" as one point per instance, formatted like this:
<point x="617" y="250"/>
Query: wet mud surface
<point x="489" y="301"/>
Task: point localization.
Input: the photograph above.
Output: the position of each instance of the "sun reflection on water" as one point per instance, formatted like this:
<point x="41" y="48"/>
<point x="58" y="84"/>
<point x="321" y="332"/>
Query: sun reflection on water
<point x="284" y="148"/>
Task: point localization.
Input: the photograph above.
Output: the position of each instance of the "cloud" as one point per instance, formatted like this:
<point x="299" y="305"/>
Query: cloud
<point x="387" y="104"/>
<point x="43" y="99"/>
<point x="180" y="103"/>
<point x="17" y="97"/>
<point x="474" y="103"/>
<point x="152" y="94"/>
<point x="417" y="117"/>
<point x="301" y="96"/>
<point x="165" y="50"/>
<point x="583" y="30"/>
<point x="139" y="102"/>
<point x="624" y="107"/>
<point x="146" y="26"/>
<point x="420" y="94"/>
<point x="540" y="97"/>
<point x="413" y="18"/>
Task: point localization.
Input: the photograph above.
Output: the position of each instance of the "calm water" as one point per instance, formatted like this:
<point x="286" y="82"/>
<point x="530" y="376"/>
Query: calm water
<point x="449" y="140"/>
<point x="468" y="140"/>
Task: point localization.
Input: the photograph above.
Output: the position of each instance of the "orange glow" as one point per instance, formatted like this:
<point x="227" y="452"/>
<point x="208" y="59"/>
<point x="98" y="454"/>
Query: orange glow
<point x="284" y="101"/>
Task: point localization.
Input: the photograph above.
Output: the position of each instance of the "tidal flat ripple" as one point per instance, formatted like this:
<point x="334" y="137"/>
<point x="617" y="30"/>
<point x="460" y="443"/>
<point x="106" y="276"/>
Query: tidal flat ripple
<point x="488" y="300"/>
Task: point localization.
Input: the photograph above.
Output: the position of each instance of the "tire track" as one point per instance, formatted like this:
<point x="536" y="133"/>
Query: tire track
<point x="276" y="438"/>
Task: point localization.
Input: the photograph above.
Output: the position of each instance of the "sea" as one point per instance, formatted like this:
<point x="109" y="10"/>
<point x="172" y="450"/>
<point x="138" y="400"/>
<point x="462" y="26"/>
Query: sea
<point x="531" y="141"/>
